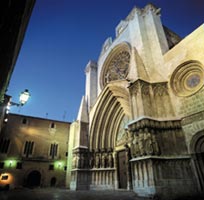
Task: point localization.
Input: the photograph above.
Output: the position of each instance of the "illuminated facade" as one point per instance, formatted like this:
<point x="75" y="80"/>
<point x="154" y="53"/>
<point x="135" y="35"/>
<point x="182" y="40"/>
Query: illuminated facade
<point x="140" y="125"/>
<point x="33" y="152"/>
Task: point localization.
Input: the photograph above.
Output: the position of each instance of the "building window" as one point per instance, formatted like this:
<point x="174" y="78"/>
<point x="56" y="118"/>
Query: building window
<point x="19" y="165"/>
<point x="53" y="150"/>
<point x="4" y="145"/>
<point x="51" y="167"/>
<point x="187" y="78"/>
<point x="52" y="125"/>
<point x="24" y="121"/>
<point x="28" y="148"/>
<point x="4" y="177"/>
<point x="1" y="165"/>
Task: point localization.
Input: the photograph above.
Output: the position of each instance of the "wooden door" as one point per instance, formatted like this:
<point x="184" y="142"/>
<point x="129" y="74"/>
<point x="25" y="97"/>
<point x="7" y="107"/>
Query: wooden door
<point x="122" y="170"/>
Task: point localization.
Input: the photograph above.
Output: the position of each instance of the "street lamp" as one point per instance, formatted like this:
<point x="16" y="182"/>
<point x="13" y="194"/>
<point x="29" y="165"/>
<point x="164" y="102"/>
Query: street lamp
<point x="24" y="96"/>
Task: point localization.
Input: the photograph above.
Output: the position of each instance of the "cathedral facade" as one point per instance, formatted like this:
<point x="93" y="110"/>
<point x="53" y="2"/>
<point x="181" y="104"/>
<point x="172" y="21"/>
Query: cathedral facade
<point x="140" y="124"/>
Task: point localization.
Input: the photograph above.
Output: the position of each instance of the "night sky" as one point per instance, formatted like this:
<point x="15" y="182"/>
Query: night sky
<point x="63" y="35"/>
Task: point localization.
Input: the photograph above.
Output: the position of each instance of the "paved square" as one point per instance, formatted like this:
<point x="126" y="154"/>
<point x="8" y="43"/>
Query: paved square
<point x="64" y="194"/>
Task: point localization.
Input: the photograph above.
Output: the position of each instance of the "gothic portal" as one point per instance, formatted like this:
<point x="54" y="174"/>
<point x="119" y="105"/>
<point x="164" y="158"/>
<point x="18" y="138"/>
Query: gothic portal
<point x="141" y="122"/>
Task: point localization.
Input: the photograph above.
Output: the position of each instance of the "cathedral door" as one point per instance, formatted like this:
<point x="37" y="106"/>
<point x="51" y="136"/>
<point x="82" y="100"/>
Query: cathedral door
<point x="200" y="161"/>
<point x="198" y="150"/>
<point x="122" y="170"/>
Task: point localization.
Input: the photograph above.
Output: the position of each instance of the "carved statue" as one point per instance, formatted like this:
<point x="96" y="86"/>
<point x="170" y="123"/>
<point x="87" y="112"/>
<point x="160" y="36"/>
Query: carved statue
<point x="103" y="160"/>
<point x="91" y="161"/>
<point x="155" y="145"/>
<point x="137" y="150"/>
<point x="110" y="160"/>
<point x="97" y="163"/>
<point x="148" y="144"/>
<point x="141" y="143"/>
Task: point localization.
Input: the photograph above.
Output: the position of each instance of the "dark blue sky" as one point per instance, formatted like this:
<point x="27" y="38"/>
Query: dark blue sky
<point x="63" y="35"/>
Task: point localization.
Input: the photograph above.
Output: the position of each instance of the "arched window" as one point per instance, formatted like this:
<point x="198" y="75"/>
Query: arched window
<point x="52" y="125"/>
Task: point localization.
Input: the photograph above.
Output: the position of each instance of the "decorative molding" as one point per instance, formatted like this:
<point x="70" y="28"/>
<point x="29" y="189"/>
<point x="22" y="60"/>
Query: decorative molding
<point x="193" y="118"/>
<point x="187" y="78"/>
<point x="154" y="123"/>
<point x="182" y="157"/>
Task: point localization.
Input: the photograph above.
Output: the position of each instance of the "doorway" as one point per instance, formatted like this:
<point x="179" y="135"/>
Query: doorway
<point x="53" y="182"/>
<point x="33" y="179"/>
<point x="122" y="169"/>
<point x="199" y="150"/>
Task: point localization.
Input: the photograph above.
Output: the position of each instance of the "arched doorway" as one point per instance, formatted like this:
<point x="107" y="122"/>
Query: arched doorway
<point x="197" y="148"/>
<point x="33" y="179"/>
<point x="122" y="170"/>
<point x="53" y="182"/>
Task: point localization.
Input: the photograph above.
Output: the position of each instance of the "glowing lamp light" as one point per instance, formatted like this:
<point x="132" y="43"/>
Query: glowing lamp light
<point x="24" y="96"/>
<point x="10" y="163"/>
<point x="58" y="164"/>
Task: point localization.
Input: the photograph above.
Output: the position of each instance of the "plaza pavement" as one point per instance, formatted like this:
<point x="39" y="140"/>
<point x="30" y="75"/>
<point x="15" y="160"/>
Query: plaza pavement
<point x="64" y="194"/>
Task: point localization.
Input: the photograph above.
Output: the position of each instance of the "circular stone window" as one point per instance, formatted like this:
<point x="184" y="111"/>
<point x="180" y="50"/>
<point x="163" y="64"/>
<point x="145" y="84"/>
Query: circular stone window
<point x="187" y="79"/>
<point x="116" y="66"/>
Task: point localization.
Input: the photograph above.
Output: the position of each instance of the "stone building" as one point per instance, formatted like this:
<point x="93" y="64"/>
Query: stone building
<point x="140" y="125"/>
<point x="33" y="152"/>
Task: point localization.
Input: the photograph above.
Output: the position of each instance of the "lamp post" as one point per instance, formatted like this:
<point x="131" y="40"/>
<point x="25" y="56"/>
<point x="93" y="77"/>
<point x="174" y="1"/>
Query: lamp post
<point x="23" y="98"/>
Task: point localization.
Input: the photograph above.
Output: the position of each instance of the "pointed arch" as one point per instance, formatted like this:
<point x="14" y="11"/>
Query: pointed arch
<point x="111" y="106"/>
<point x="124" y="49"/>
<point x="197" y="152"/>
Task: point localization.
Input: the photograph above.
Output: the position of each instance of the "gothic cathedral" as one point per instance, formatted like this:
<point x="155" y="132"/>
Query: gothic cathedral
<point x="140" y="124"/>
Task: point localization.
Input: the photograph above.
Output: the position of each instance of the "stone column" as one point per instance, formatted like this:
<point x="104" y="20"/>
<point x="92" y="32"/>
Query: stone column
<point x="128" y="168"/>
<point x="115" y="165"/>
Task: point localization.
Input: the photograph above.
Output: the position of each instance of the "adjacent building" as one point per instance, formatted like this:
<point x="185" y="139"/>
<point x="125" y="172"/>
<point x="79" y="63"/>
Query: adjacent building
<point x="140" y="125"/>
<point x="33" y="152"/>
